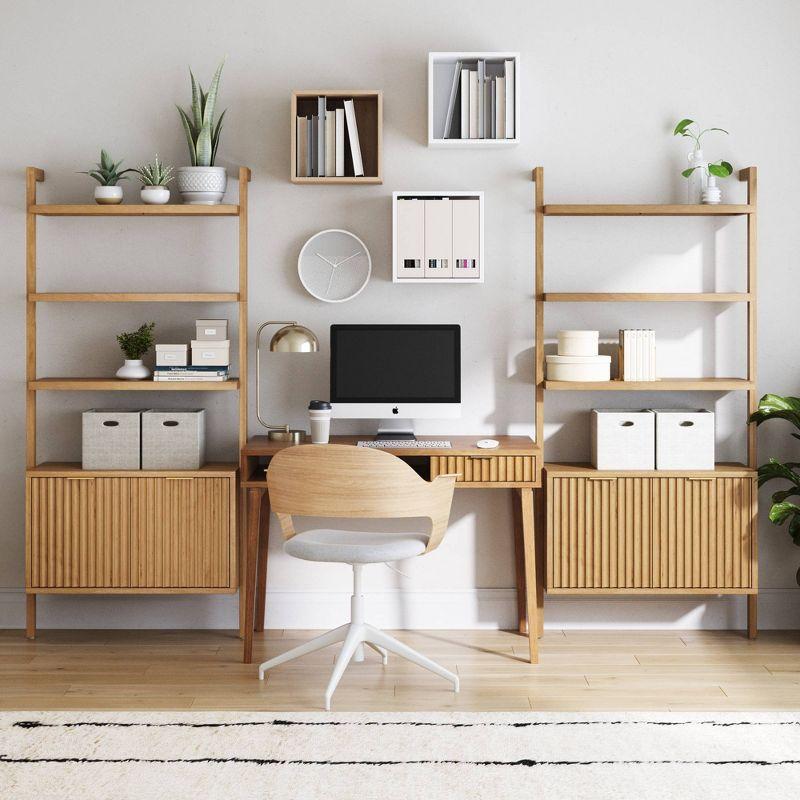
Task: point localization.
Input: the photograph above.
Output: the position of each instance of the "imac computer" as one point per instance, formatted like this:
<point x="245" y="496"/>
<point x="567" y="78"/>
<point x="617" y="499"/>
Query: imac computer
<point x="395" y="374"/>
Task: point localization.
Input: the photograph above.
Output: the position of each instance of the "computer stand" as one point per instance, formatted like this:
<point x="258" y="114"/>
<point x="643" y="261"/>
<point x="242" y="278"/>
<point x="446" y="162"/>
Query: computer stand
<point x="395" y="429"/>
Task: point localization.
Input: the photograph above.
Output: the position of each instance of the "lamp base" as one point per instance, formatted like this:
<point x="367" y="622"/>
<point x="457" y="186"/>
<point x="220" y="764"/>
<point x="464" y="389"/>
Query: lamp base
<point x="292" y="436"/>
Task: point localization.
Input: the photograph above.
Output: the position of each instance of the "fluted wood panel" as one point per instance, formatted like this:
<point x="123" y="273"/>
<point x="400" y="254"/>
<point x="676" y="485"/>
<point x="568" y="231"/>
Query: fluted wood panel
<point x="488" y="469"/>
<point x="642" y="533"/>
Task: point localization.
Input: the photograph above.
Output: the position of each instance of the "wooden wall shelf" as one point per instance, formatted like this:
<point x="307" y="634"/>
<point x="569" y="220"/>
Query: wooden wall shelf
<point x="645" y="210"/>
<point x="132" y="210"/>
<point x="134" y="297"/>
<point x="647" y="297"/>
<point x="115" y="385"/>
<point x="661" y="385"/>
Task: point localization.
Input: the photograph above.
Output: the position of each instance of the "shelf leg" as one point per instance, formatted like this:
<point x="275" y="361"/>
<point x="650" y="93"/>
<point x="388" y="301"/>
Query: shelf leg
<point x="752" y="616"/>
<point x="261" y="570"/>
<point x="519" y="562"/>
<point x="539" y="499"/>
<point x="30" y="616"/>
<point x="529" y="543"/>
<point x="253" y="524"/>
<point x="242" y="533"/>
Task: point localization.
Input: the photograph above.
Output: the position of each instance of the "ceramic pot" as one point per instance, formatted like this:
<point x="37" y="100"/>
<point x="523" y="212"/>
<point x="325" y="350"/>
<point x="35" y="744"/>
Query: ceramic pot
<point x="712" y="194"/>
<point x="202" y="185"/>
<point x="154" y="195"/>
<point x="108" y="195"/>
<point x="133" y="370"/>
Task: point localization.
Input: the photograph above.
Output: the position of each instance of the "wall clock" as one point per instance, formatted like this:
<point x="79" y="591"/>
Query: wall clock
<point x="334" y="266"/>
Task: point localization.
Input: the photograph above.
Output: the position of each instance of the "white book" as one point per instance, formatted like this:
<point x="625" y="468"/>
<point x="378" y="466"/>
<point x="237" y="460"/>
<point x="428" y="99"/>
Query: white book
<point x="465" y="104"/>
<point x="190" y="378"/>
<point x="653" y="374"/>
<point x="481" y="99"/>
<point x="330" y="141"/>
<point x="301" y="146"/>
<point x="627" y="350"/>
<point x="510" y="98"/>
<point x="352" y="132"/>
<point x="321" y="104"/>
<point x="451" y="103"/>
<point x="501" y="107"/>
<point x="473" y="104"/>
<point x="492" y="108"/>
<point x="339" y="142"/>
<point x="639" y="355"/>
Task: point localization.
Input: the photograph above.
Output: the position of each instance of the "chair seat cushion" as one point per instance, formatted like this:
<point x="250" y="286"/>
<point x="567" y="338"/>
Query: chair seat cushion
<point x="355" y="547"/>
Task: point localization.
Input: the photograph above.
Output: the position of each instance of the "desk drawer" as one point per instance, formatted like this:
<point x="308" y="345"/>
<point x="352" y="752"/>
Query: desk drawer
<point x="486" y="469"/>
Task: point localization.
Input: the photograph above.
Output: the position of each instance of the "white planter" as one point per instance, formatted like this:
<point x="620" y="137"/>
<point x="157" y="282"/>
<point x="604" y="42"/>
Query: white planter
<point x="623" y="439"/>
<point x="578" y="343"/>
<point x="579" y="368"/>
<point x="133" y="370"/>
<point x="202" y="185"/>
<point x="108" y="195"/>
<point x="154" y="195"/>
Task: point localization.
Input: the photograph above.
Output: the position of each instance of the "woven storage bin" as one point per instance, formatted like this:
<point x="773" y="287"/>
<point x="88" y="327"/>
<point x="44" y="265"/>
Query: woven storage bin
<point x="173" y="439"/>
<point x="112" y="439"/>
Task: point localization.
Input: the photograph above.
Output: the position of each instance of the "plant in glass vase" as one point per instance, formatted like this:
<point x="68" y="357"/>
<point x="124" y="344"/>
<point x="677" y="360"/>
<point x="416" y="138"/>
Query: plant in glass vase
<point x="701" y="174"/>
<point x="134" y="345"/>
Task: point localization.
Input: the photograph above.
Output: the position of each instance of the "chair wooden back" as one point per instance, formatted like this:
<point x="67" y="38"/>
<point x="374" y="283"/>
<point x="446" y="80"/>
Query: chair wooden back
<point x="335" y="480"/>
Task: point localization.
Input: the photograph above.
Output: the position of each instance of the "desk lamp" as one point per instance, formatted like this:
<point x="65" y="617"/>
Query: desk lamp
<point x="291" y="338"/>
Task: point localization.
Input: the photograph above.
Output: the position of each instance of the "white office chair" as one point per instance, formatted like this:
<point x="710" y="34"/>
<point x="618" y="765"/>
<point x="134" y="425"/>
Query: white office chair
<point x="351" y="482"/>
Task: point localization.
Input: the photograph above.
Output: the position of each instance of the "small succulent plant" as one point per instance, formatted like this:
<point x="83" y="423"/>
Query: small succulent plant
<point x="138" y="342"/>
<point x="155" y="173"/>
<point x="202" y="135"/>
<point x="107" y="172"/>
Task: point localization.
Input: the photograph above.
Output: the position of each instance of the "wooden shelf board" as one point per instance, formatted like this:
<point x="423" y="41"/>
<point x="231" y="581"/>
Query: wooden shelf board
<point x="110" y="384"/>
<point x="661" y="385"/>
<point x="133" y="210"/>
<point x="647" y="297"/>
<point x="723" y="469"/>
<point x="348" y="179"/>
<point x="74" y="469"/>
<point x="646" y="210"/>
<point x="134" y="297"/>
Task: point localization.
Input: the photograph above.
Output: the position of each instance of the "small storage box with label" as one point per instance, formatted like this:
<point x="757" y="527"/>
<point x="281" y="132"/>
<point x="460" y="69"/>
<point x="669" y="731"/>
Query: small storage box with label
<point x="623" y="439"/>
<point x="211" y="353"/>
<point x="112" y="439"/>
<point x="173" y="439"/>
<point x="578" y="359"/>
<point x="172" y="355"/>
<point x="211" y="330"/>
<point x="684" y="439"/>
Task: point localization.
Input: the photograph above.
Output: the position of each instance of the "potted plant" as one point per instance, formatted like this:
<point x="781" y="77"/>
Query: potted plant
<point x="107" y="173"/>
<point x="154" y="177"/>
<point x="783" y="510"/>
<point x="134" y="345"/>
<point x="701" y="174"/>
<point x="202" y="183"/>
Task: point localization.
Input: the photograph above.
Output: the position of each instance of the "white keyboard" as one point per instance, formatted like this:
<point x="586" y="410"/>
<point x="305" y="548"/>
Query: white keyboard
<point x="407" y="444"/>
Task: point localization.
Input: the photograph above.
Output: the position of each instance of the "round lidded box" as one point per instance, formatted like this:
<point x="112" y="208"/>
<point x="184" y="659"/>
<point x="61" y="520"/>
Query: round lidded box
<point x="578" y="343"/>
<point x="578" y="368"/>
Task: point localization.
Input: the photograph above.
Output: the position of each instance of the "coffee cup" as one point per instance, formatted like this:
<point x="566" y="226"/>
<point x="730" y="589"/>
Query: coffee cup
<point x="319" y="414"/>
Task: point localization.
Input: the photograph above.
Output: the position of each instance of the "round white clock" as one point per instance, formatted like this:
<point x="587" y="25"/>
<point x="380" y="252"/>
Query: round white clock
<point x="334" y="266"/>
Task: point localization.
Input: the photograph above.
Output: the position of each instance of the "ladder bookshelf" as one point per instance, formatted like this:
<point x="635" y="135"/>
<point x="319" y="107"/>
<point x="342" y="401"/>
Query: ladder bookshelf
<point x="115" y="531"/>
<point x="651" y="532"/>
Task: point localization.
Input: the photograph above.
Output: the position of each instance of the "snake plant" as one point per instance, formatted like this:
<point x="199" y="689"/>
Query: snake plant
<point x="107" y="172"/>
<point x="155" y="173"/>
<point x="202" y="135"/>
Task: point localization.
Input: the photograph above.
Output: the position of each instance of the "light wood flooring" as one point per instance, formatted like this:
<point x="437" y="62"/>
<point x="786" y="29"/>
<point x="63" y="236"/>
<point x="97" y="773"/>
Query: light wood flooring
<point x="578" y="671"/>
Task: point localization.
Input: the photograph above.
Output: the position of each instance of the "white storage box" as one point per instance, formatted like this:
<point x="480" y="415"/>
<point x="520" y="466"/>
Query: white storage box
<point x="211" y="354"/>
<point x="211" y="330"/>
<point x="578" y="343"/>
<point x="112" y="439"/>
<point x="172" y="355"/>
<point x="623" y="439"/>
<point x="684" y="439"/>
<point x="579" y="368"/>
<point x="173" y="439"/>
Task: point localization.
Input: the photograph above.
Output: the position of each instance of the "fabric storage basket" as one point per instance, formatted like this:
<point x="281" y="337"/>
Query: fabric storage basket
<point x="578" y="343"/>
<point x="211" y="354"/>
<point x="111" y="439"/>
<point x="173" y="439"/>
<point x="579" y="368"/>
<point x="623" y="439"/>
<point x="211" y="330"/>
<point x="172" y="355"/>
<point x="684" y="439"/>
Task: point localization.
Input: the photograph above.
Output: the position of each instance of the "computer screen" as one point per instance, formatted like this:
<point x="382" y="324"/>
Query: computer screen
<point x="395" y="364"/>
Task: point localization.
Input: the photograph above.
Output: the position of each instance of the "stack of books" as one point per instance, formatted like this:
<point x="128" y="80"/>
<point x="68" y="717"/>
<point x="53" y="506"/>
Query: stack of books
<point x="192" y="373"/>
<point x="327" y="142"/>
<point x="637" y="355"/>
<point x="481" y="102"/>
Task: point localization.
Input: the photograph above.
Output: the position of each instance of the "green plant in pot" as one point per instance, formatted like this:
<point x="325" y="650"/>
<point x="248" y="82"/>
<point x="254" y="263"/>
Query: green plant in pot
<point x="701" y="174"/>
<point x="107" y="173"/>
<point x="783" y="510"/>
<point x="154" y="177"/>
<point x="202" y="182"/>
<point x="134" y="345"/>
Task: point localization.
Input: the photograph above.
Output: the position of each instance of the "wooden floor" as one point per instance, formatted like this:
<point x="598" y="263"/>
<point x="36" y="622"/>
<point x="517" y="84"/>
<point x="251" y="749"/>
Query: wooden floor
<point x="578" y="671"/>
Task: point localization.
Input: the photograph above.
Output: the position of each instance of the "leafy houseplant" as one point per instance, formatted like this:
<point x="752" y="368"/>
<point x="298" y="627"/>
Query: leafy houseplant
<point x="134" y="345"/>
<point x="107" y="173"/>
<point x="705" y="173"/>
<point x="773" y="406"/>
<point x="154" y="177"/>
<point x="203" y="182"/>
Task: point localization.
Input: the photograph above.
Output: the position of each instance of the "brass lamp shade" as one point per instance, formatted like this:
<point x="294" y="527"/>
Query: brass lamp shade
<point x="294" y="339"/>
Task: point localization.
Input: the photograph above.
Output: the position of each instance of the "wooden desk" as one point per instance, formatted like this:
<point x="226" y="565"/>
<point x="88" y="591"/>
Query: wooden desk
<point x="516" y="464"/>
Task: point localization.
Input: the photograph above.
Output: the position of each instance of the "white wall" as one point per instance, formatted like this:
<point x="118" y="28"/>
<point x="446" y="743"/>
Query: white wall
<point x="602" y="85"/>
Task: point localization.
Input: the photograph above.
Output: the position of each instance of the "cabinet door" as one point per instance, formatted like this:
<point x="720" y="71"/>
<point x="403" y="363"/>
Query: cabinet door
<point x="410" y="238"/>
<point x="439" y="238"/>
<point x="466" y="238"/>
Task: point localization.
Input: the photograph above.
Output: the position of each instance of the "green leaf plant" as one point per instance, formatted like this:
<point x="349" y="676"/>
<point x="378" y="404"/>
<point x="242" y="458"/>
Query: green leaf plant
<point x="783" y="510"/>
<point x="155" y="173"/>
<point x="689" y="129"/>
<point x="202" y="133"/>
<point x="138" y="342"/>
<point x="107" y="172"/>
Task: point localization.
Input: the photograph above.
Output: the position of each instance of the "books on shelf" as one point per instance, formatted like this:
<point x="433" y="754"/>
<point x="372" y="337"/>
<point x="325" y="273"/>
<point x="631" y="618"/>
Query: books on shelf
<point x="481" y="101"/>
<point x="637" y="355"/>
<point x="322" y="141"/>
<point x="192" y="373"/>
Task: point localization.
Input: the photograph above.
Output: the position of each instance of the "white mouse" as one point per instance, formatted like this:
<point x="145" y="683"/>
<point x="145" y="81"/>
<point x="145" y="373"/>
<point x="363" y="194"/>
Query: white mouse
<point x="487" y="444"/>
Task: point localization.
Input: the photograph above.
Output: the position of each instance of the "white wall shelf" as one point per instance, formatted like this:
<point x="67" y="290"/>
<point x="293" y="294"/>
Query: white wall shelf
<point x="441" y="68"/>
<point x="437" y="233"/>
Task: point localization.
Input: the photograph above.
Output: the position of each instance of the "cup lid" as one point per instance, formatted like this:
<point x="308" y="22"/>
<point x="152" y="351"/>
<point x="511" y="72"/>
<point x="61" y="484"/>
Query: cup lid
<point x="319" y="405"/>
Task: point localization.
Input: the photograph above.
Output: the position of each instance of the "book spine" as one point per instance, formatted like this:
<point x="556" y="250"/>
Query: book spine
<point x="465" y="104"/>
<point x="340" y="142"/>
<point x="321" y="105"/>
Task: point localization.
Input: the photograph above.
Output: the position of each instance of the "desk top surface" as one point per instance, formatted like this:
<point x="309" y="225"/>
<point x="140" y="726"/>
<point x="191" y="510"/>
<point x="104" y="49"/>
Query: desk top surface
<point x="462" y="446"/>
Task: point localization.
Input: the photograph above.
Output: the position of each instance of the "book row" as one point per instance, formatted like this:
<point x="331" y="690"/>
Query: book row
<point x="327" y="141"/>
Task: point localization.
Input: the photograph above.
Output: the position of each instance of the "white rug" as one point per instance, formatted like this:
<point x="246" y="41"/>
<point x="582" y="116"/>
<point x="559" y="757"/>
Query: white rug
<point x="92" y="756"/>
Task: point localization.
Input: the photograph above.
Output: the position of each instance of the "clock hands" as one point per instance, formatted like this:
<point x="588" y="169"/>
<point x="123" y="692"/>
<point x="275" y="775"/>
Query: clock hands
<point x="325" y="259"/>
<point x="333" y="267"/>
<point x="348" y="258"/>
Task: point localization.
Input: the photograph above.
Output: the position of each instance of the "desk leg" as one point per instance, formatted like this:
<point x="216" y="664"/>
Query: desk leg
<point x="539" y="510"/>
<point x="529" y="546"/>
<point x="253" y="525"/>
<point x="30" y="616"/>
<point x="263" y="553"/>
<point x="242" y="535"/>
<point x="519" y="562"/>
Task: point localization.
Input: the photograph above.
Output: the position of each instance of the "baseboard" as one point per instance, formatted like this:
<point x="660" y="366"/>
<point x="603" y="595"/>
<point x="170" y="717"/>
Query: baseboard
<point x="474" y="608"/>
